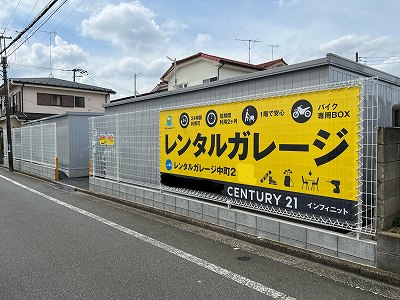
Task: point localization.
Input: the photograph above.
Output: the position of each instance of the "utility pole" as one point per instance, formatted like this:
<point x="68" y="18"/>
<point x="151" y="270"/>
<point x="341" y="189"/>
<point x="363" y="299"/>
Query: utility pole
<point x="7" y="104"/>
<point x="77" y="70"/>
<point x="8" y="121"/>
<point x="249" y="45"/>
<point x="74" y="76"/>
<point x="3" y="53"/>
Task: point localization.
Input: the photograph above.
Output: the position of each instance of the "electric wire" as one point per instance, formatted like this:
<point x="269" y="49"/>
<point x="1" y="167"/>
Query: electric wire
<point x="85" y="73"/>
<point x="36" y="67"/>
<point x="12" y="15"/>
<point x="96" y="78"/>
<point x="44" y="22"/>
<point x="380" y="60"/>
<point x="54" y="29"/>
<point x="27" y="19"/>
<point x="32" y="24"/>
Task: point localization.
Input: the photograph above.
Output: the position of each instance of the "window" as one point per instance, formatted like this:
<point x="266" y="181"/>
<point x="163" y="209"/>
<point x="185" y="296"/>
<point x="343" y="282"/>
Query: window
<point x="182" y="85"/>
<point x="16" y="102"/>
<point x="211" y="79"/>
<point x="55" y="100"/>
<point x="79" y="101"/>
<point x="3" y="107"/>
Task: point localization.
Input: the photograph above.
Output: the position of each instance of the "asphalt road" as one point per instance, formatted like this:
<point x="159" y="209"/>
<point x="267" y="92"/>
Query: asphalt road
<point x="56" y="243"/>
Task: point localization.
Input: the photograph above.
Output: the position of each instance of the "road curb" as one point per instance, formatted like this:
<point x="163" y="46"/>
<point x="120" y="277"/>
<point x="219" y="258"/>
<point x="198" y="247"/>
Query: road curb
<point x="330" y="261"/>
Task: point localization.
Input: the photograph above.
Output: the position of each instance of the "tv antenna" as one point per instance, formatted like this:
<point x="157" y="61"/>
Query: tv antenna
<point x="272" y="50"/>
<point x="50" y="45"/>
<point x="248" y="43"/>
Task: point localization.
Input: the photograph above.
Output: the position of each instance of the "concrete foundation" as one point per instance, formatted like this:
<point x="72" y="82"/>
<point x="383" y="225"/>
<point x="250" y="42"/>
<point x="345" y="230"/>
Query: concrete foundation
<point x="285" y="232"/>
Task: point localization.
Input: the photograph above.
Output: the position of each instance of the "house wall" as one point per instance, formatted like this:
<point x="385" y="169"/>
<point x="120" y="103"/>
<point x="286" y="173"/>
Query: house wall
<point x="225" y="89"/>
<point x="93" y="100"/>
<point x="196" y="72"/>
<point x="228" y="72"/>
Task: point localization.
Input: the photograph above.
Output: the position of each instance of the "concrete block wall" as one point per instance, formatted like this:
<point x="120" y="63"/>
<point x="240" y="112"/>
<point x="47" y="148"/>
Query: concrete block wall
<point x="388" y="202"/>
<point x="258" y="225"/>
<point x="42" y="171"/>
<point x="388" y="251"/>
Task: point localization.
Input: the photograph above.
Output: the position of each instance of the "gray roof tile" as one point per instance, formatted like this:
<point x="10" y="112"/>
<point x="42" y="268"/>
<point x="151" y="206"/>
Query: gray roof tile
<point x="48" y="81"/>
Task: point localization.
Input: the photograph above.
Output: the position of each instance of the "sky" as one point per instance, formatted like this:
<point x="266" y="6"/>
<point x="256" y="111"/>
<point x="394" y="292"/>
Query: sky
<point x="113" y="40"/>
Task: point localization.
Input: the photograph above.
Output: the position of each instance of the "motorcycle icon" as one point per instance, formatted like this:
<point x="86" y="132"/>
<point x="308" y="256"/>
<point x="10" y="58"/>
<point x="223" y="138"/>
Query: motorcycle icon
<point x="300" y="111"/>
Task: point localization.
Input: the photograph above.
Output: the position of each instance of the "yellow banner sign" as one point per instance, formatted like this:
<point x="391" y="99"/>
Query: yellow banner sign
<point x="303" y="144"/>
<point x="106" y="139"/>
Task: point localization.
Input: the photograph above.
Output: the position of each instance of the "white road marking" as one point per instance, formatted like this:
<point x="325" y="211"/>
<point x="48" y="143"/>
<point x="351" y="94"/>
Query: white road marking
<point x="189" y="257"/>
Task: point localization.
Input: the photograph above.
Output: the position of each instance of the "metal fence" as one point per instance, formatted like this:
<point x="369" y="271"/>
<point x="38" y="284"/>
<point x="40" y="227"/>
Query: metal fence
<point x="36" y="144"/>
<point x="125" y="148"/>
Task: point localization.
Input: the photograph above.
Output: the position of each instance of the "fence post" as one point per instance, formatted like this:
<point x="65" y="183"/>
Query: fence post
<point x="93" y="147"/>
<point x="42" y="137"/>
<point x="117" y="145"/>
<point x="57" y="178"/>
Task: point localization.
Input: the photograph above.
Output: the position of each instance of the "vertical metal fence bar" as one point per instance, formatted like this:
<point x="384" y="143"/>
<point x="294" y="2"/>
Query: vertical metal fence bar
<point x="360" y="159"/>
<point x="30" y="144"/>
<point x="117" y="138"/>
<point x="93" y="148"/>
<point x="42" y="141"/>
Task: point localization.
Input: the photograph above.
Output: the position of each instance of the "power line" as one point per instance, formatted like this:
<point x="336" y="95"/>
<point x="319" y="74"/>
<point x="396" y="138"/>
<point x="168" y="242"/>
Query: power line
<point x="54" y="29"/>
<point x="95" y="78"/>
<point x="80" y="70"/>
<point x="381" y="57"/>
<point x="27" y="19"/>
<point x="44" y="22"/>
<point x="5" y="79"/>
<point x="40" y="15"/>
<point x="12" y="15"/>
<point x="37" y="67"/>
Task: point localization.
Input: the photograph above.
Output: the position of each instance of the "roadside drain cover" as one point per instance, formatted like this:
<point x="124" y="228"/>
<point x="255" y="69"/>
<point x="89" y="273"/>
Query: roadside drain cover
<point x="243" y="258"/>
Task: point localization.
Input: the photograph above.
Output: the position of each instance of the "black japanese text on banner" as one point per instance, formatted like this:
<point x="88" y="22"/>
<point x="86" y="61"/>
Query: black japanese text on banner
<point x="302" y="147"/>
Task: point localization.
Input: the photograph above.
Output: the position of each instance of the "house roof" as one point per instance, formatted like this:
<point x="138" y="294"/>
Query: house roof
<point x="31" y="116"/>
<point x="258" y="67"/>
<point x="331" y="60"/>
<point x="55" y="82"/>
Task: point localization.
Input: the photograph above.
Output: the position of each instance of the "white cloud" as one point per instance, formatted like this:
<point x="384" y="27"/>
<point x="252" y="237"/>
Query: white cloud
<point x="130" y="26"/>
<point x="68" y="55"/>
<point x="120" y="72"/>
<point x="173" y="26"/>
<point x="352" y="43"/>
<point x="203" y="41"/>
<point x="37" y="57"/>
